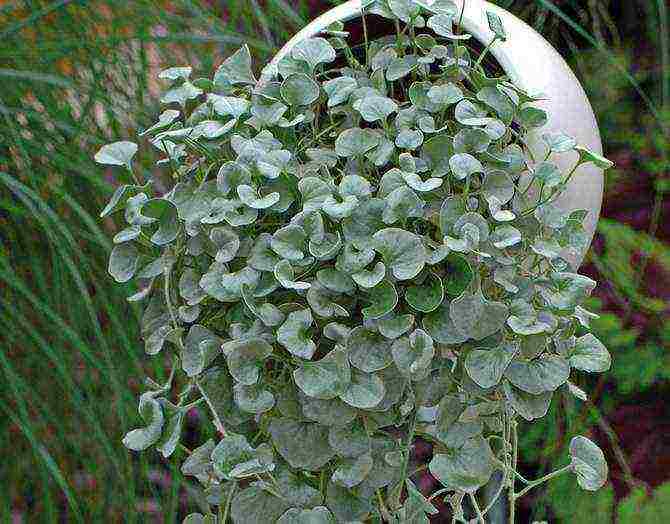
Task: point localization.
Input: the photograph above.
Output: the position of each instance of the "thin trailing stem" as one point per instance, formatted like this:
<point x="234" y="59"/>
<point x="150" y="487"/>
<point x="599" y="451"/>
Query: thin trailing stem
<point x="478" y="511"/>
<point x="485" y="52"/>
<point x="168" y="300"/>
<point x="193" y="404"/>
<point x="495" y="498"/>
<point x="511" y="495"/>
<point x="217" y="421"/>
<point x="134" y="176"/>
<point x="542" y="480"/>
<point x="365" y="36"/>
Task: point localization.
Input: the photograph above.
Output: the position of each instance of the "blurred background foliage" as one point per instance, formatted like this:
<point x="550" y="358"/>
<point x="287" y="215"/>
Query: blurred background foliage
<point x="75" y="74"/>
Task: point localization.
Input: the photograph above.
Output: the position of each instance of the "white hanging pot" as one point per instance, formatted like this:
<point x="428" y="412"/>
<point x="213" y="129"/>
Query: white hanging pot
<point x="534" y="65"/>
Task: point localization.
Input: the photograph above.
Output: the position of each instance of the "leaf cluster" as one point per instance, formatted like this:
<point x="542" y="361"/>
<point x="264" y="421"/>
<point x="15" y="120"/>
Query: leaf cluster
<point x="355" y="252"/>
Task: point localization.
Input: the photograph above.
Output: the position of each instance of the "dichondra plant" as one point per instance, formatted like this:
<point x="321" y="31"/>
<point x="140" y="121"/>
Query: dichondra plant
<point x="357" y="250"/>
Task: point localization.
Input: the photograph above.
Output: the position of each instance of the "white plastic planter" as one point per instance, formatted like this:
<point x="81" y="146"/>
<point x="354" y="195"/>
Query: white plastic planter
<point x="533" y="64"/>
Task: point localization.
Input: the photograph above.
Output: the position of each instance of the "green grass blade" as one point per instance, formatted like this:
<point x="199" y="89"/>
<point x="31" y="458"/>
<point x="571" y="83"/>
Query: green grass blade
<point x="610" y="58"/>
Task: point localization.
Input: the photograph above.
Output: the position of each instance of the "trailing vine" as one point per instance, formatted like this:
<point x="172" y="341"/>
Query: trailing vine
<point x="359" y="249"/>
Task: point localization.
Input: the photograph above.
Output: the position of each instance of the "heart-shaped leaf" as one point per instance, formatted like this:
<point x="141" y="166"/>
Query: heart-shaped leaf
<point x="589" y="354"/>
<point x="356" y="142"/>
<point x="353" y="471"/>
<point x="402" y="251"/>
<point x="463" y="165"/>
<point x="234" y="458"/>
<point x="365" y="391"/>
<point x="466" y="469"/>
<point x="477" y="317"/>
<point x="369" y="279"/>
<point x="245" y="359"/>
<point x="414" y="354"/>
<point x="441" y="328"/>
<point x="293" y="334"/>
<point x="326" y="378"/>
<point x="339" y="89"/>
<point x="546" y="373"/>
<point x="530" y="407"/>
<point x="426" y="297"/>
<point x="303" y="445"/>
<point x="486" y="366"/>
<point x="117" y="154"/>
<point x="383" y="299"/>
<point x="236" y="69"/>
<point x="588" y="463"/>
<point x="375" y="108"/>
<point x="314" y="51"/>
<point x="299" y="90"/>
<point x="289" y="242"/>
<point x="368" y="351"/>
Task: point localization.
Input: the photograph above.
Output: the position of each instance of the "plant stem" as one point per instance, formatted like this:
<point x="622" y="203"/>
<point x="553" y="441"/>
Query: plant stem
<point x="365" y="35"/>
<point x="229" y="499"/>
<point x="515" y="455"/>
<point x="495" y="498"/>
<point x="410" y="438"/>
<point x="572" y="172"/>
<point x="322" y="483"/>
<point x="438" y="493"/>
<point x="134" y="176"/>
<point x="168" y="300"/>
<point x="485" y="52"/>
<point x="475" y="504"/>
<point x="193" y="404"/>
<point x="382" y="507"/>
<point x="217" y="421"/>
<point x="539" y="481"/>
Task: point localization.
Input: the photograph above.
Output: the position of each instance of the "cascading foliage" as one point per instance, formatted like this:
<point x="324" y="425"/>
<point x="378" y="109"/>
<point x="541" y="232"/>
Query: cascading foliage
<point x="358" y="250"/>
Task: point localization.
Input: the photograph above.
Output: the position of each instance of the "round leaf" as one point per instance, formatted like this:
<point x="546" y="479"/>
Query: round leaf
<point x="486" y="366"/>
<point x="426" y="297"/>
<point x="467" y="469"/>
<point x="303" y="445"/>
<point x="123" y="262"/>
<point x="589" y="354"/>
<point x="365" y="390"/>
<point x="402" y="251"/>
<point x="588" y="463"/>
<point x="299" y="90"/>
<point x="414" y="354"/>
<point x="383" y="299"/>
<point x="463" y="165"/>
<point x="546" y="373"/>
<point x="356" y="142"/>
<point x="370" y="279"/>
<point x="476" y="317"/>
<point x="293" y="334"/>
<point x="352" y="472"/>
<point x="368" y="350"/>
<point x="326" y="378"/>
<point x="314" y="51"/>
<point x="245" y="359"/>
<point x="374" y="108"/>
<point x="116" y="154"/>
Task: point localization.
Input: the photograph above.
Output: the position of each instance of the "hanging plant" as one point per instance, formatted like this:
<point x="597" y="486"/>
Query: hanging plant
<point x="357" y="251"/>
